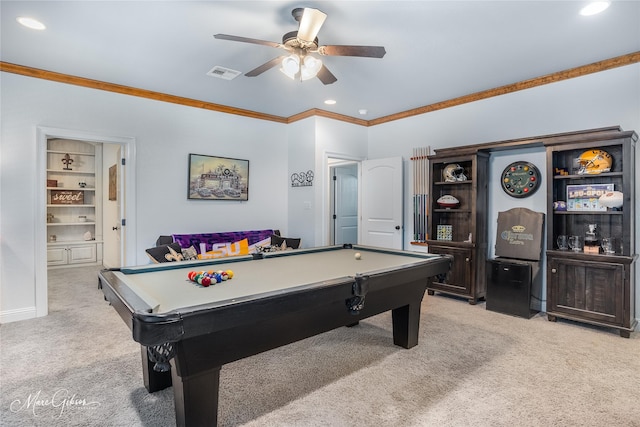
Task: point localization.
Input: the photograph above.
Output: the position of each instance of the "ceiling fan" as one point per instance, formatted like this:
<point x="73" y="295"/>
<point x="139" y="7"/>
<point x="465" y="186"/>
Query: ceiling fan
<point x="301" y="45"/>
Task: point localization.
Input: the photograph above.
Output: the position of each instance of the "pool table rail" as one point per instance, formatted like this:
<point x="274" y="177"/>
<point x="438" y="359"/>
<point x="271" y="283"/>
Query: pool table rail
<point x="196" y="341"/>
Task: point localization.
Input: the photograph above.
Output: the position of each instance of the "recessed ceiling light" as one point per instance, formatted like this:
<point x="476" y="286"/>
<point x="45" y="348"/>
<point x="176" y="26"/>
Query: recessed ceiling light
<point x="32" y="23"/>
<point x="362" y="111"/>
<point x="330" y="101"/>
<point x="594" y="8"/>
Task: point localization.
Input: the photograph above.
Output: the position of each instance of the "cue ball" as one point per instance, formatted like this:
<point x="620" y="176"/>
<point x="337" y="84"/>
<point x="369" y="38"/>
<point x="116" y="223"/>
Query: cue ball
<point x="358" y="255"/>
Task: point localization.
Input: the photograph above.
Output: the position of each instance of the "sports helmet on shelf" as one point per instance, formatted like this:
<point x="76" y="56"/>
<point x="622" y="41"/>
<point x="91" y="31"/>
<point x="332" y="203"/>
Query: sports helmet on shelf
<point x="453" y="173"/>
<point x="593" y="162"/>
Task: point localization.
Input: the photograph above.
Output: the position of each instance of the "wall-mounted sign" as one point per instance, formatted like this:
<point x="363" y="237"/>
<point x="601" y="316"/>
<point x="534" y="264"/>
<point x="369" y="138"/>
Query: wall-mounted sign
<point x="67" y="197"/>
<point x="302" y="179"/>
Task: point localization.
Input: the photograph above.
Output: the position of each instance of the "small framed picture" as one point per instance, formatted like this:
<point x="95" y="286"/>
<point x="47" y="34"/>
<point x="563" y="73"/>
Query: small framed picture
<point x="218" y="178"/>
<point x="444" y="232"/>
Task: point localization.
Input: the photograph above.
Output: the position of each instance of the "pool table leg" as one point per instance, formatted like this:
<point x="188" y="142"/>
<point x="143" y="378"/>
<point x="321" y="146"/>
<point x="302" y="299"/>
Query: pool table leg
<point x="153" y="380"/>
<point x="196" y="397"/>
<point x="406" y="324"/>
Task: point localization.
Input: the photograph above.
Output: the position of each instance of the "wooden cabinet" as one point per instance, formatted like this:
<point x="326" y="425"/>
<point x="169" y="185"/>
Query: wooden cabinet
<point x="588" y="285"/>
<point x="81" y="253"/>
<point x="459" y="231"/>
<point x="74" y="202"/>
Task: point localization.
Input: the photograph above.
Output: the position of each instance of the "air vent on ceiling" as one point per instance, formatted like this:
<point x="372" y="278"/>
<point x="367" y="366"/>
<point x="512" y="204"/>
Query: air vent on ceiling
<point x="223" y="73"/>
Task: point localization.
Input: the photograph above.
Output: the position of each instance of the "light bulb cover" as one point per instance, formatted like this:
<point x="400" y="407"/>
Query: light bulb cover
<point x="291" y="65"/>
<point x="310" y="67"/>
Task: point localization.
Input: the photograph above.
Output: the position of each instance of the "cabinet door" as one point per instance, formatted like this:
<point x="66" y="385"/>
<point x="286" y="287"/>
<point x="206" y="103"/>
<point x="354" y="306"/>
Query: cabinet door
<point x="81" y="254"/>
<point x="459" y="279"/>
<point x="588" y="290"/>
<point x="56" y="255"/>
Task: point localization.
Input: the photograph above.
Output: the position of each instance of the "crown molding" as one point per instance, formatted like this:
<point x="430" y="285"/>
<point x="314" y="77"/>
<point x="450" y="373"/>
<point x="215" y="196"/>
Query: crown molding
<point x="596" y="67"/>
<point x="571" y="73"/>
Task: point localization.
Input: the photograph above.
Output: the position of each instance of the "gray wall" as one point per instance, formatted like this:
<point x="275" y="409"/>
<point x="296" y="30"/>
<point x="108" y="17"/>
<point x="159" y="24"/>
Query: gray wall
<point x="597" y="100"/>
<point x="166" y="133"/>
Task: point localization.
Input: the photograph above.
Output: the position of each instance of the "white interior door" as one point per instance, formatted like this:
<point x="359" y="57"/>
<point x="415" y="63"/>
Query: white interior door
<point x="112" y="208"/>
<point x="382" y="203"/>
<point x="120" y="236"/>
<point x="345" y="215"/>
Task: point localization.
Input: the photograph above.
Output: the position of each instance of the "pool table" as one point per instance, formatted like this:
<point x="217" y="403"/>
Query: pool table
<point x="188" y="331"/>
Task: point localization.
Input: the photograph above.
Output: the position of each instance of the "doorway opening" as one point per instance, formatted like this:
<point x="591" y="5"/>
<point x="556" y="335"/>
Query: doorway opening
<point x="125" y="189"/>
<point x="343" y="202"/>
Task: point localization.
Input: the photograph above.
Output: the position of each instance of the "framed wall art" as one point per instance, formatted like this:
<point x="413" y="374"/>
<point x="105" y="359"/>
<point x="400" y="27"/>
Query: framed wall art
<point x="218" y="178"/>
<point x="113" y="182"/>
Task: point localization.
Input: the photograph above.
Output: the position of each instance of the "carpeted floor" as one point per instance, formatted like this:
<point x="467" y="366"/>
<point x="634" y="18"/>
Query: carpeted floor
<point x="79" y="366"/>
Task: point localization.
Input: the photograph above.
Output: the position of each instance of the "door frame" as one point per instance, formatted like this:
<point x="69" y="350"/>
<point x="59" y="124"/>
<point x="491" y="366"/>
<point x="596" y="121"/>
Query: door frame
<point x="128" y="211"/>
<point x="329" y="159"/>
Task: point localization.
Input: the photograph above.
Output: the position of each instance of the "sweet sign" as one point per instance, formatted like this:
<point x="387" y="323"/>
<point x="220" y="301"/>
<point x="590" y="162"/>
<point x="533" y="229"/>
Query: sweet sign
<point x="67" y="197"/>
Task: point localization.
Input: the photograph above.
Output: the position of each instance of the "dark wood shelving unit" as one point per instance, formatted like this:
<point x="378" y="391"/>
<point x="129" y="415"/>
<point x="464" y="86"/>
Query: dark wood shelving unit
<point x="468" y="244"/>
<point x="597" y="289"/>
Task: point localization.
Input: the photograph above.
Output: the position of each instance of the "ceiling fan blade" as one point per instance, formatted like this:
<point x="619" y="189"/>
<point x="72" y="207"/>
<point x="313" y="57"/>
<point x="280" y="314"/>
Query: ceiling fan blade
<point x="246" y="40"/>
<point x="326" y="76"/>
<point x="310" y="23"/>
<point x="365" y="51"/>
<point x="264" y="67"/>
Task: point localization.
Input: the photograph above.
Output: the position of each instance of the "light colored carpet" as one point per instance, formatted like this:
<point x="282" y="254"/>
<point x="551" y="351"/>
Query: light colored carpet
<point x="80" y="367"/>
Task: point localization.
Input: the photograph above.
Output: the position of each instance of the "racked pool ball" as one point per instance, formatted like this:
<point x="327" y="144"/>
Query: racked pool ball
<point x="230" y="274"/>
<point x="206" y="281"/>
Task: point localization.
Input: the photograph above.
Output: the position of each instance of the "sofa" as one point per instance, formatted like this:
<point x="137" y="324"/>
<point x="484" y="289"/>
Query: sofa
<point x="178" y="247"/>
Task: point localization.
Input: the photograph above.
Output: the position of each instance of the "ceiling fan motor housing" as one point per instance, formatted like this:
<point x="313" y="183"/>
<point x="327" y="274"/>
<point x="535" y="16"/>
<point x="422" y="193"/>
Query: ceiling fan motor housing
<point x="290" y="39"/>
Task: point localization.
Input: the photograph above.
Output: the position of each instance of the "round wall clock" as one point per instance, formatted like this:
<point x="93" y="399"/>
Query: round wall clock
<point x="520" y="179"/>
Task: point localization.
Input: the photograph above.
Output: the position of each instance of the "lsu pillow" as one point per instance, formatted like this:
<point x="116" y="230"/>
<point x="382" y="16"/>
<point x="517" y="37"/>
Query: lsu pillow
<point x="221" y="250"/>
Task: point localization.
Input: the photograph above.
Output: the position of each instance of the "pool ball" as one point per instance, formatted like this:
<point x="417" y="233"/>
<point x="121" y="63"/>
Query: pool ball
<point x="358" y="255"/>
<point x="230" y="274"/>
<point x="206" y="281"/>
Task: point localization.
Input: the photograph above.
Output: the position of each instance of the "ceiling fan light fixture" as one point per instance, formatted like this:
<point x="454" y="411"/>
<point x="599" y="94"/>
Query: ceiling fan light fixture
<point x="291" y="65"/>
<point x="310" y="67"/>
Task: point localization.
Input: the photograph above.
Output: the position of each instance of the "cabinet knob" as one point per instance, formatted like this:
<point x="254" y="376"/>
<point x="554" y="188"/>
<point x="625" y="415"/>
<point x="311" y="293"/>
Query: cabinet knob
<point x="553" y="270"/>
<point x="467" y="260"/>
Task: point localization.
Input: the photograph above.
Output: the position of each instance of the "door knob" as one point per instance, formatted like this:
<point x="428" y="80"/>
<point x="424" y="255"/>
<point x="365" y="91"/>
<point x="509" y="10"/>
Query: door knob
<point x="116" y="228"/>
<point x="553" y="270"/>
<point x="397" y="227"/>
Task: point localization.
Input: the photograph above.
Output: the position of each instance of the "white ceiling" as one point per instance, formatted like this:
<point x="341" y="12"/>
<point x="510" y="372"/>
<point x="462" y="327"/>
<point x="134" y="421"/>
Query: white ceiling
<point x="436" y="50"/>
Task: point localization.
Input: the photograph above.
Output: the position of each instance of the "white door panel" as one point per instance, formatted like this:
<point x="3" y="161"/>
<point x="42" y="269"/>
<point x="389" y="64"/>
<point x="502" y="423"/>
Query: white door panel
<point x="382" y="203"/>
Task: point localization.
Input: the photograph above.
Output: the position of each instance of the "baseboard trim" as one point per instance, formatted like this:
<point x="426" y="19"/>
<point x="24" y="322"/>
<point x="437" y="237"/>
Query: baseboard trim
<point x="16" y="315"/>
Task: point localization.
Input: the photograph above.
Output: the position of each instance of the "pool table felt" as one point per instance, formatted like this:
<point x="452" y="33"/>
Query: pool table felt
<point x="167" y="290"/>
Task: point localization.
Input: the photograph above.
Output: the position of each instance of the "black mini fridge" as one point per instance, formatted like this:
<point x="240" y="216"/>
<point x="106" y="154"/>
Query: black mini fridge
<point x="514" y="287"/>
<point x="514" y="281"/>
